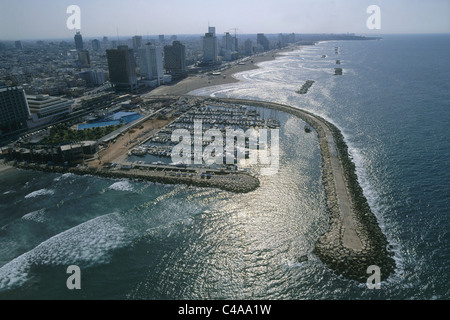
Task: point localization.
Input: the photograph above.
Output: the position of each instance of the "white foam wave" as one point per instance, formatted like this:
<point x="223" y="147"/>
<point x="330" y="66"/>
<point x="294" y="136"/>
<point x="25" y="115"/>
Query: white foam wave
<point x="121" y="186"/>
<point x="36" y="216"/>
<point x="373" y="199"/>
<point x="63" y="177"/>
<point x="85" y="245"/>
<point x="292" y="264"/>
<point x="38" y="193"/>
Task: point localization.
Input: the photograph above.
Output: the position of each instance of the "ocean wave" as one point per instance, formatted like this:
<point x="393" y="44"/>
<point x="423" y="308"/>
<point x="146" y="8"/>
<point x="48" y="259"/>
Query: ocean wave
<point x="36" y="216"/>
<point x="374" y="200"/>
<point x="121" y="186"/>
<point x="38" y="193"/>
<point x="85" y="245"/>
<point x="63" y="177"/>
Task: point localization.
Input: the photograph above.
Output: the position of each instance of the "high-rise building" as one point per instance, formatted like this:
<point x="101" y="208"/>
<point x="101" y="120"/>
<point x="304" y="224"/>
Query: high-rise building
<point x="263" y="41"/>
<point x="84" y="59"/>
<point x="175" y="58"/>
<point x="229" y="42"/>
<point x="14" y="111"/>
<point x="161" y="39"/>
<point x="248" y="47"/>
<point x="151" y="62"/>
<point x="210" y="52"/>
<point x="78" y="41"/>
<point x="18" y="45"/>
<point x="137" y="43"/>
<point x="212" y="30"/>
<point x="122" y="68"/>
<point x="95" y="45"/>
<point x="105" y="42"/>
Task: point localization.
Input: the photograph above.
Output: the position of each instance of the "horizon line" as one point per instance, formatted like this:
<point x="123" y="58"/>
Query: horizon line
<point x="200" y="34"/>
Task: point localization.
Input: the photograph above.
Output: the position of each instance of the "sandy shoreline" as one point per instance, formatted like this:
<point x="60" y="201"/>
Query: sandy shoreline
<point x="204" y="80"/>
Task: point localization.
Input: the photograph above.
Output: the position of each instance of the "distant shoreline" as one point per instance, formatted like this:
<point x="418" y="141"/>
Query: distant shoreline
<point x="194" y="82"/>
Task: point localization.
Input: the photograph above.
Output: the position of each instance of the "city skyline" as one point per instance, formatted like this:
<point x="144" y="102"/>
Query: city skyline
<point x="47" y="19"/>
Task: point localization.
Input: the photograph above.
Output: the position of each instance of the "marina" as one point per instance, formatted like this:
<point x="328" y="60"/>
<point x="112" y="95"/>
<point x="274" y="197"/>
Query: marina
<point x="218" y="116"/>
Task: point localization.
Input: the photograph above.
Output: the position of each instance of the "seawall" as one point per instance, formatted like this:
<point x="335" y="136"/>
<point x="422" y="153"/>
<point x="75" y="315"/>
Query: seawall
<point x="354" y="240"/>
<point x="237" y="182"/>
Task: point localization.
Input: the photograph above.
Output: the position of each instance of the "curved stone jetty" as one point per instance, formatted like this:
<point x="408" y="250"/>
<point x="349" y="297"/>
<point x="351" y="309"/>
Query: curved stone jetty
<point x="354" y="240"/>
<point x="238" y="182"/>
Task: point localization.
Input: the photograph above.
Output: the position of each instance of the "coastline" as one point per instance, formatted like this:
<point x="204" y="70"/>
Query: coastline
<point x="353" y="242"/>
<point x="195" y="82"/>
<point x="5" y="167"/>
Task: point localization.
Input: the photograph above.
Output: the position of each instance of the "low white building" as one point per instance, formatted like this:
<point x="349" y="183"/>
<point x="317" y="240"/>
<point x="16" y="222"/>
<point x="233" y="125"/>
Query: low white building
<point x="44" y="108"/>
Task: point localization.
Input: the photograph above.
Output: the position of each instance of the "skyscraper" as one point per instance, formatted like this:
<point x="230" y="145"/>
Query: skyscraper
<point x="122" y="68"/>
<point x="263" y="41"/>
<point x="151" y="62"/>
<point x="14" y="111"/>
<point x="78" y="41"/>
<point x="84" y="59"/>
<point x="18" y="45"/>
<point x="137" y="43"/>
<point x="229" y="42"/>
<point x="210" y="47"/>
<point x="248" y="47"/>
<point x="175" y="58"/>
<point x="95" y="45"/>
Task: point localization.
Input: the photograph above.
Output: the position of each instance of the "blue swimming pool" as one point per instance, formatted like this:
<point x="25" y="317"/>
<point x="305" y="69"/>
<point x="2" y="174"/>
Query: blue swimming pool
<point x="123" y="120"/>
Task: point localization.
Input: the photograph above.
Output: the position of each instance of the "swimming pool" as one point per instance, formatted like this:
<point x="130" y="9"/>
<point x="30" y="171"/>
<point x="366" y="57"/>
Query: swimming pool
<point x="123" y="120"/>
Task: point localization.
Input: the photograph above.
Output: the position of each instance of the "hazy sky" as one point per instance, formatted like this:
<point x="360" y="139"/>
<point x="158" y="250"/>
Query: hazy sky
<point x="42" y="19"/>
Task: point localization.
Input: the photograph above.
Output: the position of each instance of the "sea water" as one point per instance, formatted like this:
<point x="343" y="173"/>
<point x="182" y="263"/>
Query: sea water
<point x="140" y="240"/>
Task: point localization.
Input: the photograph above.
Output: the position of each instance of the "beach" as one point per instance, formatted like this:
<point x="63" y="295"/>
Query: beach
<point x="206" y="80"/>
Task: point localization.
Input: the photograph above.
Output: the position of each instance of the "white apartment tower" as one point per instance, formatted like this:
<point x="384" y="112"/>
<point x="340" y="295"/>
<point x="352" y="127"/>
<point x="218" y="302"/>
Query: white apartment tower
<point x="151" y="62"/>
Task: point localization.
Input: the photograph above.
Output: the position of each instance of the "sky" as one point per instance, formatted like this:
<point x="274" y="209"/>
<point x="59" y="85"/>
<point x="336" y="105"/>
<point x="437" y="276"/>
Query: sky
<point x="46" y="19"/>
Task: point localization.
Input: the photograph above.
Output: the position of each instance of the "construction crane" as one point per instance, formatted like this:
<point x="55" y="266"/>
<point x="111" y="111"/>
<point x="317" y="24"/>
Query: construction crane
<point x="235" y="31"/>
